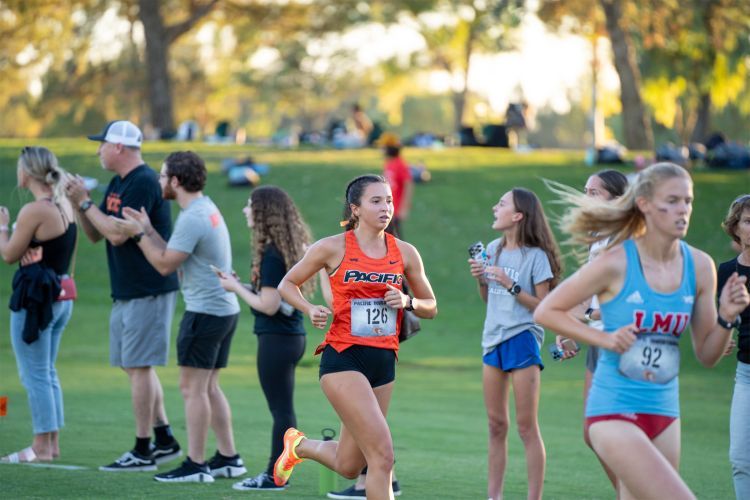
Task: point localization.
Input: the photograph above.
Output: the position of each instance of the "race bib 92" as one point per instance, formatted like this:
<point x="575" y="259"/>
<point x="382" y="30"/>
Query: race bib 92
<point x="654" y="357"/>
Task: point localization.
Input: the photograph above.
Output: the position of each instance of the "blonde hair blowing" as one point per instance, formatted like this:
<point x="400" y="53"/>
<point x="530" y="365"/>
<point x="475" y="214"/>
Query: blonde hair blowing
<point x="40" y="164"/>
<point x="590" y="219"/>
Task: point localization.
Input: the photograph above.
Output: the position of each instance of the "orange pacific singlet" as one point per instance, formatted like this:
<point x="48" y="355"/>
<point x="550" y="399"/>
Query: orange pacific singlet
<point x="360" y="314"/>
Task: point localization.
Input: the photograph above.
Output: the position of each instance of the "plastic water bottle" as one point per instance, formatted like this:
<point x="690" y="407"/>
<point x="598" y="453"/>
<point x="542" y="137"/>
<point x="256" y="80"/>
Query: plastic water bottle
<point x="327" y="479"/>
<point x="478" y="252"/>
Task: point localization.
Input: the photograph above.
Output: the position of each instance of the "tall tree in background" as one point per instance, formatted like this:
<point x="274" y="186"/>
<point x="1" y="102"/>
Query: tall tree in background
<point x="159" y="37"/>
<point x="477" y="26"/>
<point x="638" y="134"/>
<point x="587" y="20"/>
<point x="307" y="79"/>
<point x="38" y="39"/>
<point x="696" y="60"/>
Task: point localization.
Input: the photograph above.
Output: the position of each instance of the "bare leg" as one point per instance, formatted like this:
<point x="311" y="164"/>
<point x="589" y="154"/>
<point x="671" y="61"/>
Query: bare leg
<point x="142" y="396"/>
<point x="586" y="439"/>
<point x="645" y="469"/>
<point x="221" y="417"/>
<point x="159" y="413"/>
<point x="42" y="446"/>
<point x="496" y="384"/>
<point x="55" y="443"/>
<point x="365" y="437"/>
<point x="526" y="392"/>
<point x="194" y="386"/>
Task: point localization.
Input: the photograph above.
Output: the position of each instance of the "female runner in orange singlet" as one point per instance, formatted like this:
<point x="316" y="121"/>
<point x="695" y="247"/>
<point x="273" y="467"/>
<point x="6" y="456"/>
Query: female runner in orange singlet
<point x="367" y="268"/>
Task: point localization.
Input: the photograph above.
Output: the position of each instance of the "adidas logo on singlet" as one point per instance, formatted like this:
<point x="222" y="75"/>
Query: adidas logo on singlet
<point x="634" y="298"/>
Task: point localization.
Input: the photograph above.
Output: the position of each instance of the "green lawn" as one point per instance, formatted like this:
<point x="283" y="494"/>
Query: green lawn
<point x="437" y="416"/>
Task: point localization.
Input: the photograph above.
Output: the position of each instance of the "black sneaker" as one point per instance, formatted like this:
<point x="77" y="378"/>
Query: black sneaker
<point x="188" y="472"/>
<point x="352" y="493"/>
<point x="130" y="461"/>
<point x="226" y="467"/>
<point x="260" y="482"/>
<point x="163" y="453"/>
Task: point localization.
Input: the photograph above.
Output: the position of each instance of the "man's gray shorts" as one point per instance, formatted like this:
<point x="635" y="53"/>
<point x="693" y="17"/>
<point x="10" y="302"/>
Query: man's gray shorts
<point x="139" y="331"/>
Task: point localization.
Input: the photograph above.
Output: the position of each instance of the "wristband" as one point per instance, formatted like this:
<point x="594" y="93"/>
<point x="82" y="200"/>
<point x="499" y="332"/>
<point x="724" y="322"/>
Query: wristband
<point x="410" y="307"/>
<point x="137" y="237"/>
<point x="728" y="325"/>
<point x="85" y="206"/>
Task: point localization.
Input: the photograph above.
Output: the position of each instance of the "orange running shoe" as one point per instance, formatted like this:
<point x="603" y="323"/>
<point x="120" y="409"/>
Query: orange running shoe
<point x="288" y="458"/>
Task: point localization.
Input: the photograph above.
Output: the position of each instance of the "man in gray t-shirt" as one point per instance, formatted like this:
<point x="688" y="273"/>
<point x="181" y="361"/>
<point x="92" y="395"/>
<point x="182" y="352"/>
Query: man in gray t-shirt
<point x="200" y="233"/>
<point x="199" y="242"/>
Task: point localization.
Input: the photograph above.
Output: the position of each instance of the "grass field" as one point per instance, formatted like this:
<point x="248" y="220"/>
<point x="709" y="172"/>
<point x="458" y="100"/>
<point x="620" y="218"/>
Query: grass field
<point x="437" y="415"/>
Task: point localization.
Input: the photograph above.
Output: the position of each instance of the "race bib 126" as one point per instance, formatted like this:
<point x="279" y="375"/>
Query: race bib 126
<point x="372" y="318"/>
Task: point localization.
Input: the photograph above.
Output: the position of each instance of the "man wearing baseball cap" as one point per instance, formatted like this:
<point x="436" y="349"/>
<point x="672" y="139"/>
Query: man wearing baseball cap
<point x="143" y="299"/>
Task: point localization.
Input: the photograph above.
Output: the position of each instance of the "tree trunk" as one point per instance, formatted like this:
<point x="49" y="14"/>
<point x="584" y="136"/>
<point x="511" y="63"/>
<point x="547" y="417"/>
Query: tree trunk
<point x="638" y="134"/>
<point x="703" y="122"/>
<point x="459" y="98"/>
<point x="157" y="57"/>
<point x="159" y="37"/>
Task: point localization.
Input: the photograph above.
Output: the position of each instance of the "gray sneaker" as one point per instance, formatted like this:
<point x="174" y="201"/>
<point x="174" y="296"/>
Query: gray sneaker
<point x="130" y="461"/>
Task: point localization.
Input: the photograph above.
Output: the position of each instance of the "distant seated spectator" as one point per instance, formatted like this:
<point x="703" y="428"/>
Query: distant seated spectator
<point x="362" y="124"/>
<point x="188" y="131"/>
<point x="515" y="123"/>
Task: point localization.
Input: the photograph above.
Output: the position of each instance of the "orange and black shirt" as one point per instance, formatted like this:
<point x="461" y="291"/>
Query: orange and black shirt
<point x="360" y="314"/>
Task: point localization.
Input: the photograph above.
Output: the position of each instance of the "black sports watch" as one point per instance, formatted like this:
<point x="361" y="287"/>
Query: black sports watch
<point x="137" y="237"/>
<point x="514" y="289"/>
<point x="588" y="313"/>
<point x="728" y="325"/>
<point x="85" y="206"/>
<point x="410" y="307"/>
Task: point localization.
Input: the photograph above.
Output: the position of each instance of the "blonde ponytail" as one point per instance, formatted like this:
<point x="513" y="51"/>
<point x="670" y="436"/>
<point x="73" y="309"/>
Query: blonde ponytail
<point x="41" y="164"/>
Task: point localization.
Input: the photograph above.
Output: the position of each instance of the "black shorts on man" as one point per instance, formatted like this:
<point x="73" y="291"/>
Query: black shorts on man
<point x="204" y="340"/>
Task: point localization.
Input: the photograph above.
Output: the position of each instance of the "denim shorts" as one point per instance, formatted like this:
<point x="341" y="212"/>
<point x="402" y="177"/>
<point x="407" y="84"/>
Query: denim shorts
<point x="517" y="352"/>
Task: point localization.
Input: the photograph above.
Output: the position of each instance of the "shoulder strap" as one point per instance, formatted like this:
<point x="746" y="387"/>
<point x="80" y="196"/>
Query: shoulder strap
<point x="72" y="270"/>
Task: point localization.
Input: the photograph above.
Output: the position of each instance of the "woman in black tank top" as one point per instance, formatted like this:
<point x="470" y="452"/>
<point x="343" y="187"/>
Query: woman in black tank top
<point x="43" y="242"/>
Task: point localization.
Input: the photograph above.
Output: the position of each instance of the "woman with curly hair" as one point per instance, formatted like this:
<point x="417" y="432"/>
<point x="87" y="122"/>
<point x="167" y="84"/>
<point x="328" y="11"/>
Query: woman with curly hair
<point x="280" y="237"/>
